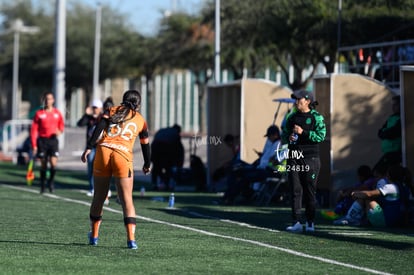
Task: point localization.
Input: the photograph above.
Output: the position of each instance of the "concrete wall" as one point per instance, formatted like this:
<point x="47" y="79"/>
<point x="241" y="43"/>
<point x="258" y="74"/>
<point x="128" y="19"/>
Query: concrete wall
<point x="358" y="107"/>
<point x="245" y="109"/>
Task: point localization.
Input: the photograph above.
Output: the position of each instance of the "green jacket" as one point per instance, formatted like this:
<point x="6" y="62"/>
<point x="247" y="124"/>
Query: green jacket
<point x="314" y="131"/>
<point x="390" y="134"/>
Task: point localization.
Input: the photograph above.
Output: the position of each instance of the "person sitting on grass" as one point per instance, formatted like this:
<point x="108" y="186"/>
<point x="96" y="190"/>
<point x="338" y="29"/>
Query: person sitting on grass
<point x="386" y="205"/>
<point x="366" y="181"/>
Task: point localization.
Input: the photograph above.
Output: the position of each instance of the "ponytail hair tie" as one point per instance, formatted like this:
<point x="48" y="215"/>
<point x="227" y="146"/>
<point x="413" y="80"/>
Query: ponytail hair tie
<point x="129" y="105"/>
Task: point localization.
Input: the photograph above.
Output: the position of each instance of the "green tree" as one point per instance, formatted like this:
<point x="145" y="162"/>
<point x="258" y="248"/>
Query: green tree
<point x="118" y="46"/>
<point x="147" y="63"/>
<point x="376" y="21"/>
<point x="35" y="50"/>
<point x="241" y="46"/>
<point x="118" y="51"/>
<point x="259" y="34"/>
<point x="302" y="33"/>
<point x="187" y="43"/>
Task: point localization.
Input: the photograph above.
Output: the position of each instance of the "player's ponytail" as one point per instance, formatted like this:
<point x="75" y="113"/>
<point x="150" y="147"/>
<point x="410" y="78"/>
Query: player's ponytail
<point x="313" y="104"/>
<point x="131" y="101"/>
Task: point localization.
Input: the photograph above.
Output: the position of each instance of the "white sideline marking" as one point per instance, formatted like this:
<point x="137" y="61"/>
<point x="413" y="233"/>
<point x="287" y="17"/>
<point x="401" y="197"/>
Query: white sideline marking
<point x="231" y="221"/>
<point x="351" y="233"/>
<point x="289" y="251"/>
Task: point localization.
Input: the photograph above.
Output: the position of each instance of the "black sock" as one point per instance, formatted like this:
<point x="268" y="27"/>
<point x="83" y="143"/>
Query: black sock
<point x="52" y="172"/>
<point x="130" y="220"/>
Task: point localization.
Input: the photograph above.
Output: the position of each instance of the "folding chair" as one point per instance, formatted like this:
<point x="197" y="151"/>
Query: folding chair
<point x="269" y="188"/>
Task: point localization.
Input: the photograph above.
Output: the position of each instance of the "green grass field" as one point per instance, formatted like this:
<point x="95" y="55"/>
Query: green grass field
<point x="47" y="234"/>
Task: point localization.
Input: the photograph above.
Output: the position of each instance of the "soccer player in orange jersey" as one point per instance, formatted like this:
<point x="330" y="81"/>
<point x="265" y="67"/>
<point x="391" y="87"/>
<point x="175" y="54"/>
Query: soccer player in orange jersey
<point x="114" y="137"/>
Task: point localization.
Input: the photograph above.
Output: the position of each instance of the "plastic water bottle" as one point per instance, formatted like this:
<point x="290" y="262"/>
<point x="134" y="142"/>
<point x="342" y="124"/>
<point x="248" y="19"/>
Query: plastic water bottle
<point x="171" y="201"/>
<point x="295" y="138"/>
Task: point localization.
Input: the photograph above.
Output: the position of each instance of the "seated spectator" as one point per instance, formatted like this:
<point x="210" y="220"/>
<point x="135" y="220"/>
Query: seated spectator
<point x="198" y="173"/>
<point x="242" y="176"/>
<point x="366" y="181"/>
<point x="386" y="205"/>
<point x="219" y="176"/>
<point x="24" y="152"/>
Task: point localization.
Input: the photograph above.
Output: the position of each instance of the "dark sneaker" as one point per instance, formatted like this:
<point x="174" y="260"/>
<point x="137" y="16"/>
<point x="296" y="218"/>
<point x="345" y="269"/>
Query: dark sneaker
<point x="132" y="245"/>
<point x="51" y="187"/>
<point x="310" y="227"/>
<point x="92" y="241"/>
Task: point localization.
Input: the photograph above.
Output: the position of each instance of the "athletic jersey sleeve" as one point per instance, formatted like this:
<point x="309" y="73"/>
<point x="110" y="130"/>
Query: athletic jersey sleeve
<point x="84" y="120"/>
<point x="285" y="131"/>
<point x="61" y="123"/>
<point x="143" y="135"/>
<point x="287" y="126"/>
<point x="391" y="129"/>
<point x="34" y="131"/>
<point x="97" y="133"/>
<point x="318" y="134"/>
<point x="390" y="191"/>
<point x="146" y="153"/>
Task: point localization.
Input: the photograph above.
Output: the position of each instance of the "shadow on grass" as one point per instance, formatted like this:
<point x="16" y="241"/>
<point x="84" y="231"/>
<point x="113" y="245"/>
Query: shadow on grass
<point x="273" y="219"/>
<point x="203" y="206"/>
<point x="277" y="218"/>
<point x="85" y="244"/>
<point x="64" y="179"/>
<point x="367" y="240"/>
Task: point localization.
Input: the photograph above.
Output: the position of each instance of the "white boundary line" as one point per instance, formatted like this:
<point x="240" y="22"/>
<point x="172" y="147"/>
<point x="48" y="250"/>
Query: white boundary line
<point x="230" y="221"/>
<point x="286" y="250"/>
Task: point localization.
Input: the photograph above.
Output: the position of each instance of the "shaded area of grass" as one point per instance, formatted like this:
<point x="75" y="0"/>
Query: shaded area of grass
<point x="43" y="234"/>
<point x="64" y="179"/>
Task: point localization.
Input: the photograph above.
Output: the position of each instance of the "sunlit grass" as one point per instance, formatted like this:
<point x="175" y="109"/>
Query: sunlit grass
<point x="42" y="234"/>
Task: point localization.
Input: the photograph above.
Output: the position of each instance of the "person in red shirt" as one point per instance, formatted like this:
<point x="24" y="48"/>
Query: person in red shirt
<point x="47" y="125"/>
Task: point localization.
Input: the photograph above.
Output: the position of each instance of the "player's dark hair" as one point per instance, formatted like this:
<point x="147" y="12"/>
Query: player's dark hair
<point x="109" y="102"/>
<point x="177" y="127"/>
<point x="131" y="102"/>
<point x="43" y="98"/>
<point x="364" y="171"/>
<point x="313" y="104"/>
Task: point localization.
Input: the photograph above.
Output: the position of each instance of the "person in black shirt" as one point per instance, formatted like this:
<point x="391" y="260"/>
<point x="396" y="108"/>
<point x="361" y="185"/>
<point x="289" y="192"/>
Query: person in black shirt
<point x="167" y="154"/>
<point x="90" y="119"/>
<point x="303" y="131"/>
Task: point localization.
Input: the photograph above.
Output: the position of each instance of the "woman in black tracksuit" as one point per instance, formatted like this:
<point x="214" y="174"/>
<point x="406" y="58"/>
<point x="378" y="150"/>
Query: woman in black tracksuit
<point x="303" y="131"/>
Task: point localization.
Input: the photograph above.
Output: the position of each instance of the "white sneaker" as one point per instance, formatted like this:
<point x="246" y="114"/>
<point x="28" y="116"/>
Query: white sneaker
<point x="347" y="221"/>
<point x="89" y="194"/>
<point x="310" y="227"/>
<point x="297" y="227"/>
